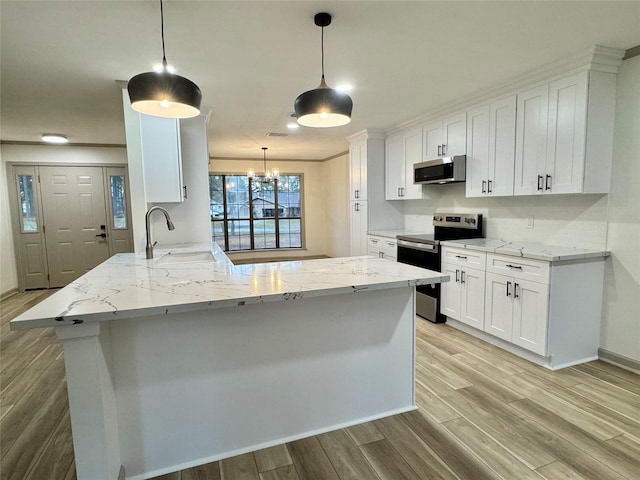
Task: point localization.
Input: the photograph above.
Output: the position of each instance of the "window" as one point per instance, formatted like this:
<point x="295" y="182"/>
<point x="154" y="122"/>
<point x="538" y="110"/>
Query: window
<point x="255" y="214"/>
<point x="118" y="204"/>
<point x="29" y="220"/>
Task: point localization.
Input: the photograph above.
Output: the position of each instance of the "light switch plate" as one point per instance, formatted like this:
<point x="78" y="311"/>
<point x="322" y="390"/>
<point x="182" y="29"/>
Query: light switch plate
<point x="530" y="221"/>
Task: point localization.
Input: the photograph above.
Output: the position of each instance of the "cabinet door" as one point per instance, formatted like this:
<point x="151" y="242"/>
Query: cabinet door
<point x="502" y="140"/>
<point x="454" y="135"/>
<point x="531" y="141"/>
<point x="477" y="151"/>
<point x="394" y="167"/>
<point x="499" y="306"/>
<point x="432" y="141"/>
<point x="530" y="313"/>
<point x="412" y="154"/>
<point x="161" y="159"/>
<point x="567" y="134"/>
<point x="450" y="292"/>
<point x="472" y="298"/>
<point x="358" y="171"/>
<point x="358" y="219"/>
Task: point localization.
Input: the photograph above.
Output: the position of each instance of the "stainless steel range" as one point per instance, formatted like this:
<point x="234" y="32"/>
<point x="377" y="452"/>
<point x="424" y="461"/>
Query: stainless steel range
<point x="424" y="251"/>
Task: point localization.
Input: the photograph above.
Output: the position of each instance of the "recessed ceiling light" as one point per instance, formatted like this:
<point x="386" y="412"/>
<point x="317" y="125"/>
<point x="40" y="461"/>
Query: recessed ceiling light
<point x="54" y="138"/>
<point x="292" y="126"/>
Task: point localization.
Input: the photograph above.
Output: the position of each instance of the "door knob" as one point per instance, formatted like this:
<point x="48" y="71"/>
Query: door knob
<point x="103" y="235"/>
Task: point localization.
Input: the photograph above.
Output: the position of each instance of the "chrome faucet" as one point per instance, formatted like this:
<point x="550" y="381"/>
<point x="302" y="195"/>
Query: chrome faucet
<point x="169" y="226"/>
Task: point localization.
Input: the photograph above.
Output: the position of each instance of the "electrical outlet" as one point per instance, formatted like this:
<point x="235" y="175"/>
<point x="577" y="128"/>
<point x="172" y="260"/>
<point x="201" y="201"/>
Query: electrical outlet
<point x="530" y="221"/>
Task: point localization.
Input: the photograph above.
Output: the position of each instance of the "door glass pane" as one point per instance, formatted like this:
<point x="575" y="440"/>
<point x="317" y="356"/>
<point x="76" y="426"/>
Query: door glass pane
<point x="118" y="202"/>
<point x="28" y="216"/>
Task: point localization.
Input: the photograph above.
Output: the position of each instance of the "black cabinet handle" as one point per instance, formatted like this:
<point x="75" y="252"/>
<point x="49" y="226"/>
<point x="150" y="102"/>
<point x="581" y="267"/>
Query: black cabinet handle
<point x="461" y="256"/>
<point x="515" y="290"/>
<point x="185" y="192"/>
<point x="489" y="186"/>
<point x="357" y="193"/>
<point x="444" y="149"/>
<point x="514" y="266"/>
<point x="461" y="276"/>
<point x="508" y="292"/>
<point x="547" y="183"/>
<point x="457" y="275"/>
<point x="102" y="235"/>
<point x="540" y="183"/>
<point x="439" y="150"/>
<point x="484" y="186"/>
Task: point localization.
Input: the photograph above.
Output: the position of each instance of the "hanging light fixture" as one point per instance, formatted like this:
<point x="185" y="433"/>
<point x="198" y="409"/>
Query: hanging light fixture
<point x="323" y="106"/>
<point x="268" y="174"/>
<point x="164" y="94"/>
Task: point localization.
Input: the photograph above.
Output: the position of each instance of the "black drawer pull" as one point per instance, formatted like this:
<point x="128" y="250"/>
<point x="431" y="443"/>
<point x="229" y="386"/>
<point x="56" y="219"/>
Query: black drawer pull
<point x="461" y="256"/>
<point x="514" y="266"/>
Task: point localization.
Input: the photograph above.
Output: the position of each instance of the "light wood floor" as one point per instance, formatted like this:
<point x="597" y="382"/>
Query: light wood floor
<point x="484" y="414"/>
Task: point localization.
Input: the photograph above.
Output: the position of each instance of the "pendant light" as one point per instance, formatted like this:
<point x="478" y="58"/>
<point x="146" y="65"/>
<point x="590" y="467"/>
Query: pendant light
<point x="323" y="106"/>
<point x="164" y="94"/>
<point x="268" y="174"/>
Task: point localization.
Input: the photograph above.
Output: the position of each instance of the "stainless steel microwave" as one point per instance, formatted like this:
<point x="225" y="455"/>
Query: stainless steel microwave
<point x="441" y="170"/>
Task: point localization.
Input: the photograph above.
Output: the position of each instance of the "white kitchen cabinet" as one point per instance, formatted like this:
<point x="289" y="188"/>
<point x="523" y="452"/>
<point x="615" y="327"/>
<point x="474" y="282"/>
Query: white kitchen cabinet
<point x="358" y="222"/>
<point x="572" y="118"/>
<point x="161" y="159"/>
<point x="463" y="296"/>
<point x="531" y="140"/>
<point x="358" y="170"/>
<point x="517" y="311"/>
<point x="383" y="247"/>
<point x="369" y="209"/>
<point x="491" y="135"/>
<point x="445" y="138"/>
<point x="401" y="152"/>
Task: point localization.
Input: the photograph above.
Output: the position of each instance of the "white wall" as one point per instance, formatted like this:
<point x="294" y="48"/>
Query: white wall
<point x="8" y="273"/>
<point x="336" y="209"/>
<point x="621" y="326"/>
<point x="39" y="154"/>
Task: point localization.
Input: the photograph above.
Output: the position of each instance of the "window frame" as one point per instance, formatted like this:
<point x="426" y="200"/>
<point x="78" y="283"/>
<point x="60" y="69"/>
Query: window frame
<point x="251" y="219"/>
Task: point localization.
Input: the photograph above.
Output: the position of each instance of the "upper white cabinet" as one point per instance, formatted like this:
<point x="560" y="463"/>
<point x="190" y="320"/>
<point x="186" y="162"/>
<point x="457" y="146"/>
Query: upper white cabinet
<point x="161" y="159"/>
<point x="564" y="136"/>
<point x="401" y="152"/>
<point x="358" y="169"/>
<point x="445" y="138"/>
<point x="491" y="133"/>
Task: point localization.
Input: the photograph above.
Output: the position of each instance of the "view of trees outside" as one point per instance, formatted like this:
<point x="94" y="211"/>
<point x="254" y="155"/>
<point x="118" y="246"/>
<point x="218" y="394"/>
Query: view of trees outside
<point x="254" y="214"/>
<point x="27" y="203"/>
<point x="118" y="202"/>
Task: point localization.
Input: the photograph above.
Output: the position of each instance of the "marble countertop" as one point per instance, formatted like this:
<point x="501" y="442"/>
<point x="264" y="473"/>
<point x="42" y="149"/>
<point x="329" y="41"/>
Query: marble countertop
<point x="177" y="280"/>
<point x="393" y="233"/>
<point x="537" y="251"/>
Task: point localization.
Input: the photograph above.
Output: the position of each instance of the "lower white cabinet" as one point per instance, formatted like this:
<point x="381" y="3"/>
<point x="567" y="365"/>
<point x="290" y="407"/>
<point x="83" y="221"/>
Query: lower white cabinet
<point x="383" y="247"/>
<point x="552" y="309"/>
<point x="462" y="297"/>
<point x="516" y="310"/>
<point x="358" y="222"/>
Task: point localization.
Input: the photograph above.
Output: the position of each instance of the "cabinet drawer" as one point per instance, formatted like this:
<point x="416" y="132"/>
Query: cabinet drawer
<point x="382" y="247"/>
<point x="521" y="268"/>
<point x="464" y="257"/>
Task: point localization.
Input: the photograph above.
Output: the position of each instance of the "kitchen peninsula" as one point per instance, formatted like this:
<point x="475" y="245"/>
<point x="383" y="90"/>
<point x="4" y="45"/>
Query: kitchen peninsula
<point x="186" y="358"/>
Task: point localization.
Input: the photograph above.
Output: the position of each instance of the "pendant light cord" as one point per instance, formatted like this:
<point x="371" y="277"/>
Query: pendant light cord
<point x="164" y="57"/>
<point x="322" y="49"/>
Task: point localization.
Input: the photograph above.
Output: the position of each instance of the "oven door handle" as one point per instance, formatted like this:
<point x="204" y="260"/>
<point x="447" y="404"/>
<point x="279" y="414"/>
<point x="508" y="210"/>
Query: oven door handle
<point x="418" y="246"/>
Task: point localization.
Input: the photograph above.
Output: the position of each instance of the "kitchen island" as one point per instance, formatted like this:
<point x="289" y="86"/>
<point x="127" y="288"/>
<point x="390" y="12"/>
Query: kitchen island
<point x="185" y="359"/>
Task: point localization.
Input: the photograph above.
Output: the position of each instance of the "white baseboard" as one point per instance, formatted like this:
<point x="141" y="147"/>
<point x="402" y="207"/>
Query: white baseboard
<point x="619" y="360"/>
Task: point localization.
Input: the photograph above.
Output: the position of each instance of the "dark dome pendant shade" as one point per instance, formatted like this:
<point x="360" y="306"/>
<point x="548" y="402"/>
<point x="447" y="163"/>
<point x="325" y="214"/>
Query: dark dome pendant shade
<point x="164" y="94"/>
<point x="323" y="106"/>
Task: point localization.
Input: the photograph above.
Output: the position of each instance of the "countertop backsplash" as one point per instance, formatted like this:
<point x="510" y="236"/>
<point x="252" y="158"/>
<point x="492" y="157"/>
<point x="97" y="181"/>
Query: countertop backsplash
<point x="578" y="221"/>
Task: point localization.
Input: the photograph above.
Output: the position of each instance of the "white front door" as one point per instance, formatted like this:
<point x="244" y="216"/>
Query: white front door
<point x="74" y="209"/>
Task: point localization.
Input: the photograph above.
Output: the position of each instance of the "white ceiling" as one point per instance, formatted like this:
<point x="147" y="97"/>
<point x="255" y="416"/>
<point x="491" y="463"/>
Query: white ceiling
<point x="251" y="59"/>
